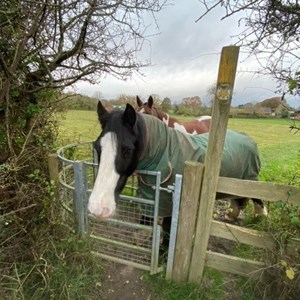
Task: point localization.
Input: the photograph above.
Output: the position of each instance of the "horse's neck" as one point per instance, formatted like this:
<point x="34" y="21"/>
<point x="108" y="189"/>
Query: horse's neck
<point x="172" y="121"/>
<point x="153" y="145"/>
<point x="164" y="117"/>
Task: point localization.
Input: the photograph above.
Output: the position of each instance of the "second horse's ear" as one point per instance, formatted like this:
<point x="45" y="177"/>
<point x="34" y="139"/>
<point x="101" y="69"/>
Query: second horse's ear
<point x="150" y="102"/>
<point x="139" y="101"/>
<point x="129" y="115"/>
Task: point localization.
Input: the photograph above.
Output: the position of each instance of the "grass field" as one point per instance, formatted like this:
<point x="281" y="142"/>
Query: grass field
<point x="279" y="147"/>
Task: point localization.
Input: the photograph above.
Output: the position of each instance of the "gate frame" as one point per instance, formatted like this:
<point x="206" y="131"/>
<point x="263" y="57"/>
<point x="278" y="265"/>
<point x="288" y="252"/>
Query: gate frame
<point x="81" y="191"/>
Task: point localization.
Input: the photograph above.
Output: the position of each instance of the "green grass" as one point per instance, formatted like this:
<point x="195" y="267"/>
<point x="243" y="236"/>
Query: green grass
<point x="78" y="126"/>
<point x="84" y="125"/>
<point x="279" y="147"/>
<point x="211" y="287"/>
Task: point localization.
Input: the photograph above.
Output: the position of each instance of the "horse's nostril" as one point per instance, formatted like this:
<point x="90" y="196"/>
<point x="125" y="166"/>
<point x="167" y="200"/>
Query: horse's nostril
<point x="106" y="212"/>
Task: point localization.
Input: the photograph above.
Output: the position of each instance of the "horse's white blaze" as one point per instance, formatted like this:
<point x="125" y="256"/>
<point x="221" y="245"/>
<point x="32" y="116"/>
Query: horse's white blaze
<point x="102" y="199"/>
<point x="142" y="110"/>
<point x="203" y="118"/>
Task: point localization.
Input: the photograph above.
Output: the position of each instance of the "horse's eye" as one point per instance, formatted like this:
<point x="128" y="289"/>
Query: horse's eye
<point x="126" y="153"/>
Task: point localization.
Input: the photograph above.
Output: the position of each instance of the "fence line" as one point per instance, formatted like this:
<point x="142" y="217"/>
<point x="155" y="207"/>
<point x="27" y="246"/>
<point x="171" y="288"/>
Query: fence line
<point x="254" y="238"/>
<point x="212" y="183"/>
<point x="259" y="190"/>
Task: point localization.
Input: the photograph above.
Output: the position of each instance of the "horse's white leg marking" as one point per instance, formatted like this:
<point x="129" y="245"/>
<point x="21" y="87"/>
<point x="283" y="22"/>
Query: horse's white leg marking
<point x="180" y="127"/>
<point x="260" y="211"/>
<point x="233" y="211"/>
<point x="102" y="199"/>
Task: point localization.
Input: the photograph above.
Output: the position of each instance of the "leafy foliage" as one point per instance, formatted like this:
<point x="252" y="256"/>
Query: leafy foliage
<point x="46" y="46"/>
<point x="294" y="84"/>
<point x="166" y="104"/>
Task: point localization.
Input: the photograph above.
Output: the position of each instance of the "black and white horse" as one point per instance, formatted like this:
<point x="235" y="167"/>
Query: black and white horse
<point x="130" y="140"/>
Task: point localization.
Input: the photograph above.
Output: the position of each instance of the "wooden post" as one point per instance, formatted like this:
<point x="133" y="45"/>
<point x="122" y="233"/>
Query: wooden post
<point x="220" y="113"/>
<point x="53" y="170"/>
<point x="54" y="176"/>
<point x="192" y="178"/>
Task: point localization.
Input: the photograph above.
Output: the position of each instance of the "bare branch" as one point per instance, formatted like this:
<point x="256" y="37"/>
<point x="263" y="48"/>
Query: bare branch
<point x="270" y="32"/>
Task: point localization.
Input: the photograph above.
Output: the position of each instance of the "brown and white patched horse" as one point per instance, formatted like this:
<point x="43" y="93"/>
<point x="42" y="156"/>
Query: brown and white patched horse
<point x="197" y="126"/>
<point x="132" y="141"/>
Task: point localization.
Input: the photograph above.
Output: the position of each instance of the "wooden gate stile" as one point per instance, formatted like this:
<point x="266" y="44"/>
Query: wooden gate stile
<point x="195" y="216"/>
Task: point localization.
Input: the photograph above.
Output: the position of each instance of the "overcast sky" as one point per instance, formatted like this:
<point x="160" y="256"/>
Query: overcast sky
<point x="185" y="59"/>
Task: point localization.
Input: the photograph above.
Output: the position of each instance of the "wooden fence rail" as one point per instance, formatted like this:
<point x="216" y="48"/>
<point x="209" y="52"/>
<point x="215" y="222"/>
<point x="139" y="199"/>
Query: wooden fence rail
<point x="261" y="190"/>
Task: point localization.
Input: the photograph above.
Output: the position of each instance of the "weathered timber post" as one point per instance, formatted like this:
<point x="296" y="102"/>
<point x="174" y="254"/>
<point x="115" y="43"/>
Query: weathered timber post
<point x="53" y="167"/>
<point x="192" y="178"/>
<point x="220" y="113"/>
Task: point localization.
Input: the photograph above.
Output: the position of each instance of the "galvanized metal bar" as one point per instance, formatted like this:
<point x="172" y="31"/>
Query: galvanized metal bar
<point x="60" y="152"/>
<point x="122" y="244"/>
<point x="138" y="200"/>
<point x="145" y="172"/>
<point x="127" y="198"/>
<point x="85" y="198"/>
<point x="62" y="175"/>
<point x="122" y="261"/>
<point x="79" y="199"/>
<point x="154" y="259"/>
<point x="174" y="225"/>
<point x="155" y="242"/>
<point x="128" y="224"/>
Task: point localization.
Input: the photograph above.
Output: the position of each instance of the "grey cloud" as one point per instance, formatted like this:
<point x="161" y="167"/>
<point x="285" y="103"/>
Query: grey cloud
<point x="185" y="59"/>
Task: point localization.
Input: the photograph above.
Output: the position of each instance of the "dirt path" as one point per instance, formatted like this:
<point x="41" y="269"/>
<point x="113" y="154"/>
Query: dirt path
<point x="122" y="282"/>
<point x="125" y="283"/>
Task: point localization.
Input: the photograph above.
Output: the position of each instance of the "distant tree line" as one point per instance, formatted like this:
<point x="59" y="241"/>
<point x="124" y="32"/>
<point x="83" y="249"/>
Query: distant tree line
<point x="188" y="106"/>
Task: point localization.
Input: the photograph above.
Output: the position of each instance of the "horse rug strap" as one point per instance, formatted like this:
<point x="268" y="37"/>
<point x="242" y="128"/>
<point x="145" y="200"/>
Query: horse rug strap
<point x="166" y="145"/>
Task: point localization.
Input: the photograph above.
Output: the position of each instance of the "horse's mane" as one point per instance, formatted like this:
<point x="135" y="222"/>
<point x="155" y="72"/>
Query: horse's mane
<point x="141" y="134"/>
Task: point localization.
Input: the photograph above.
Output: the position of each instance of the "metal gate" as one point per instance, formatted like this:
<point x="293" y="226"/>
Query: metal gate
<point x="123" y="238"/>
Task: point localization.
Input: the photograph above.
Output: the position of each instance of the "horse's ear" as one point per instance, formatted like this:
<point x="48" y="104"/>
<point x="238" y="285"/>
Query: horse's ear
<point x="101" y="112"/>
<point x="129" y="116"/>
<point x="139" y="101"/>
<point x="150" y="102"/>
